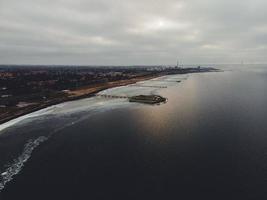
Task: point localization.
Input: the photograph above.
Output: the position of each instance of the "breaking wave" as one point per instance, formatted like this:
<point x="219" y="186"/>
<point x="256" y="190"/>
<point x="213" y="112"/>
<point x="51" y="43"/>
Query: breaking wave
<point x="16" y="166"/>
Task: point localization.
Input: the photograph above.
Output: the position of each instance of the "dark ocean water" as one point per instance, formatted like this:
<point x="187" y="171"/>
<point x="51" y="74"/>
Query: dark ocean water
<point x="208" y="142"/>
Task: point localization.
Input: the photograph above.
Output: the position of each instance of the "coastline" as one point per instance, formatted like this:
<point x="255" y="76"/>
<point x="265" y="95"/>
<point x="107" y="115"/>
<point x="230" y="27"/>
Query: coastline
<point x="90" y="91"/>
<point x="81" y="93"/>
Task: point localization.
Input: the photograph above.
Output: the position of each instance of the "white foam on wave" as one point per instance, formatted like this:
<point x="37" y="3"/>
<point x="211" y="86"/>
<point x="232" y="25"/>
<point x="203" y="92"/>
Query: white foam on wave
<point x="27" y="116"/>
<point x="16" y="166"/>
<point x="66" y="108"/>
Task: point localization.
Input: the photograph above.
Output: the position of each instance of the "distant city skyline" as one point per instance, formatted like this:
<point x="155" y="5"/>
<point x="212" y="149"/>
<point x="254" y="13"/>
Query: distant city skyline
<point x="132" y="32"/>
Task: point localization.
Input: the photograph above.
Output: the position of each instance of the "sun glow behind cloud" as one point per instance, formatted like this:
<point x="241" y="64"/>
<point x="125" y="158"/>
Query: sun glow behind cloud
<point x="163" y="24"/>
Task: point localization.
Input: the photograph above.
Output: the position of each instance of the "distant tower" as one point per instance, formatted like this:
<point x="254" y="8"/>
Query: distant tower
<point x="177" y="66"/>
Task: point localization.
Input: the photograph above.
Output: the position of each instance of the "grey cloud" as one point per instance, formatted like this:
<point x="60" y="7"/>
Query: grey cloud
<point x="132" y="31"/>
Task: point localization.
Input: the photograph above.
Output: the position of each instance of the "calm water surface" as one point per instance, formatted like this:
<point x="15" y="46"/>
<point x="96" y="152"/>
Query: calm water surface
<point x="208" y="142"/>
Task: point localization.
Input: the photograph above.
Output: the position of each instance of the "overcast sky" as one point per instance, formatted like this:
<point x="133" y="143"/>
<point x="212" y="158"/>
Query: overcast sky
<point x="126" y="32"/>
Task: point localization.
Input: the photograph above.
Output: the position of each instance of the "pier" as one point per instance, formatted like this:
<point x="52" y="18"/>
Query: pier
<point x="174" y="81"/>
<point x="149" y="86"/>
<point x="146" y="99"/>
<point x="112" y="96"/>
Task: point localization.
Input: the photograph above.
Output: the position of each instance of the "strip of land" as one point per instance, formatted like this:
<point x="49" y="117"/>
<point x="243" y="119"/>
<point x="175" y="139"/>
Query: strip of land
<point x="32" y="91"/>
<point x="70" y="95"/>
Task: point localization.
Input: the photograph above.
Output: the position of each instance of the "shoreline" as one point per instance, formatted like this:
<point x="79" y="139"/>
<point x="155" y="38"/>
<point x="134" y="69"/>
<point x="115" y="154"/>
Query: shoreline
<point x="88" y="92"/>
<point x="81" y="93"/>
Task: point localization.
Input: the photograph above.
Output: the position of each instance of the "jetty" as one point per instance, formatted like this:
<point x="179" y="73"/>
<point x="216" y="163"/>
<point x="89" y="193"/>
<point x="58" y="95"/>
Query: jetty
<point x="147" y="99"/>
